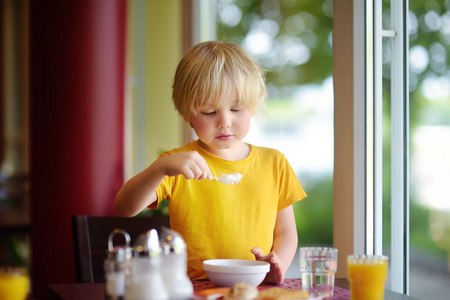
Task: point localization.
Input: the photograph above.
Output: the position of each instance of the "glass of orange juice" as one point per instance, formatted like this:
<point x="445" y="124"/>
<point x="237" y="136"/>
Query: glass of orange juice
<point x="14" y="283"/>
<point x="367" y="275"/>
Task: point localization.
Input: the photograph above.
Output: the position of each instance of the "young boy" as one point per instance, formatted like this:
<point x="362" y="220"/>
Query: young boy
<point x="217" y="88"/>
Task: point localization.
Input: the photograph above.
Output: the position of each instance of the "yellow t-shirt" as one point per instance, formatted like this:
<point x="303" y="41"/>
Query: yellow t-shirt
<point x="220" y="220"/>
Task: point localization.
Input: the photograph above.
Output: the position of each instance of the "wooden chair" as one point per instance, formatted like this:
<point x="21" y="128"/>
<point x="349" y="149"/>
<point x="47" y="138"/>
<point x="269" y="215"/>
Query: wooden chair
<point x="90" y="241"/>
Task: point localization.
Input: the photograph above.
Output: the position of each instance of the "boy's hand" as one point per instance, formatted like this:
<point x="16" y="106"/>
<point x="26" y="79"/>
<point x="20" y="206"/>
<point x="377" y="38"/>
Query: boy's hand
<point x="190" y="164"/>
<point x="276" y="273"/>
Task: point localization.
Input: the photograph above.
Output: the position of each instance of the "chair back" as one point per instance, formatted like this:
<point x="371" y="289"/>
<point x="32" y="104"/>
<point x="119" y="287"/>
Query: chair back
<point x="90" y="241"/>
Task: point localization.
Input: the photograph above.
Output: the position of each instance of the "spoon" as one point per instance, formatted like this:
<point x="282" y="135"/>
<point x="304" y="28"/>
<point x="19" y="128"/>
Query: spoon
<point x="234" y="178"/>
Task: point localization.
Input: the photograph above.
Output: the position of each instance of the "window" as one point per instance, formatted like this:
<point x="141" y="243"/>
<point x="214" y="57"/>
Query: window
<point x="414" y="217"/>
<point x="395" y="177"/>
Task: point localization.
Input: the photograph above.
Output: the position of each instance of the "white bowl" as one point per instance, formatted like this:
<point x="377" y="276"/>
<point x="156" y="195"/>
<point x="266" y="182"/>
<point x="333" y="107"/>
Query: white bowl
<point x="228" y="272"/>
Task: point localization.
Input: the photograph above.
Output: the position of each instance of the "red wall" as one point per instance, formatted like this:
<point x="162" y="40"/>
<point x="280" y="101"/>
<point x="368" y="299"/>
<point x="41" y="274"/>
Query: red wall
<point x="76" y="101"/>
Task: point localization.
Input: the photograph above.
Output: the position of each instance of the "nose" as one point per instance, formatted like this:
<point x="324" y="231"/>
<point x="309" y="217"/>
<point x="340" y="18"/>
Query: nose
<point x="224" y="120"/>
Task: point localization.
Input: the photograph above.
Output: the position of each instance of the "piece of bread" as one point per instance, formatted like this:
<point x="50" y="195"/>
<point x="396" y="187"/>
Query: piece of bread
<point x="277" y="293"/>
<point x="242" y="291"/>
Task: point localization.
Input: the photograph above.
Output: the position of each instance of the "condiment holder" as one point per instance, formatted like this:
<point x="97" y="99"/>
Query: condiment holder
<point x="155" y="268"/>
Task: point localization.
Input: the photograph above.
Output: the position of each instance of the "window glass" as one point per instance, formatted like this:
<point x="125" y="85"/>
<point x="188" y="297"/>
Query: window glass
<point x="429" y="57"/>
<point x="292" y="41"/>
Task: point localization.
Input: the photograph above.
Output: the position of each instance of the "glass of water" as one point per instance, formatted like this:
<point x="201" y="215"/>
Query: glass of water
<point x="318" y="266"/>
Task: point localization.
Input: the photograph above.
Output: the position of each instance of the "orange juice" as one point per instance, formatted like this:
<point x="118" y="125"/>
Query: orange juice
<point x="14" y="284"/>
<point x="367" y="275"/>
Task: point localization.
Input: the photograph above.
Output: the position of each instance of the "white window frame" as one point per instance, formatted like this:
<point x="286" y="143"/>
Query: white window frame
<point x="399" y="145"/>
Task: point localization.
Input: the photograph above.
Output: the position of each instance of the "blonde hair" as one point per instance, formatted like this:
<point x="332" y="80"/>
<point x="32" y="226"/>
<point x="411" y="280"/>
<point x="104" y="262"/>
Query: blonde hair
<point x="206" y="72"/>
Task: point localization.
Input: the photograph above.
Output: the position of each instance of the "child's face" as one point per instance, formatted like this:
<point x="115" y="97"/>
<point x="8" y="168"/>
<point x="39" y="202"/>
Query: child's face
<point x="224" y="127"/>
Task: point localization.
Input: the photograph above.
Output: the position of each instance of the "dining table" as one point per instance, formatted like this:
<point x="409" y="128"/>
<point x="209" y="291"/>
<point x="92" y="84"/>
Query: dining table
<point x="96" y="291"/>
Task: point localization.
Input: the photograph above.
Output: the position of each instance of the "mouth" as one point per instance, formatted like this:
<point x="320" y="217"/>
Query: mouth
<point x="224" y="137"/>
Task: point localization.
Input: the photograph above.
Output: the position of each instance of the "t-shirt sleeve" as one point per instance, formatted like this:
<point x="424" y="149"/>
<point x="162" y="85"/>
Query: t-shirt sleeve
<point x="163" y="191"/>
<point x="291" y="189"/>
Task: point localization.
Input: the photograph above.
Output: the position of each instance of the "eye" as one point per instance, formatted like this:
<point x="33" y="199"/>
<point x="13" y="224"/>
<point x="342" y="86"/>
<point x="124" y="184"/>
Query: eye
<point x="235" y="109"/>
<point x="208" y="113"/>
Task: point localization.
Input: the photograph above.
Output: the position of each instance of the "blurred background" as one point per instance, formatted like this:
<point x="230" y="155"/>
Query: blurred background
<point x="293" y="41"/>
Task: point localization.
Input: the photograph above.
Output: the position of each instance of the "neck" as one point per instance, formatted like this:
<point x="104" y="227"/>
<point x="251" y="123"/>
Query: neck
<point x="238" y="152"/>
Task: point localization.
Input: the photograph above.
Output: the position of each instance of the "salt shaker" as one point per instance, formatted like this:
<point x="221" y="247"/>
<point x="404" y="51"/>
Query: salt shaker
<point x="117" y="266"/>
<point x="146" y="281"/>
<point x="174" y="265"/>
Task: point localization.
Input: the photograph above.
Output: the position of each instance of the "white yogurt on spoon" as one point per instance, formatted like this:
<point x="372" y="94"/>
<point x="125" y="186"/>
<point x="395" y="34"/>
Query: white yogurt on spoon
<point x="234" y="178"/>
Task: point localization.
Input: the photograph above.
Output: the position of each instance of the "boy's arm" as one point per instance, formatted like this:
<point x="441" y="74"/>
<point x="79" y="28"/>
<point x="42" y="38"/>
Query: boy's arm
<point x="285" y="238"/>
<point x="140" y="191"/>
<point x="284" y="246"/>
